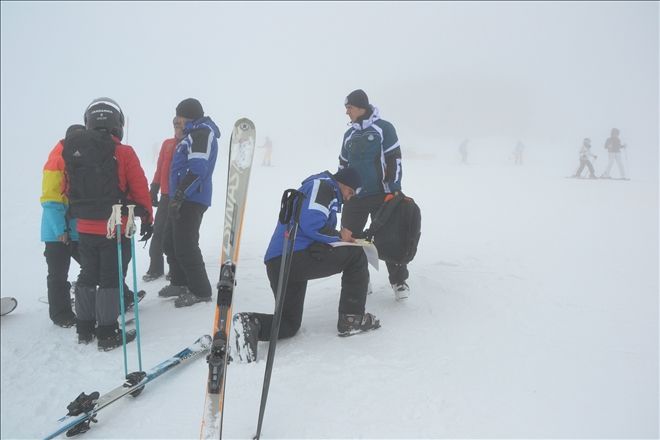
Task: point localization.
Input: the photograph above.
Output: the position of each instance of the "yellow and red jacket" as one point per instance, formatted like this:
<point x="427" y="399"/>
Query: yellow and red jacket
<point x="53" y="199"/>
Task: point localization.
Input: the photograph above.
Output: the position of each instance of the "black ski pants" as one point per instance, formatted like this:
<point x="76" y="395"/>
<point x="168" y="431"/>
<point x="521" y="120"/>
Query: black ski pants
<point x="156" y="259"/>
<point x="354" y="217"/>
<point x="318" y="261"/>
<point x="99" y="267"/>
<point x="58" y="258"/>
<point x="181" y="245"/>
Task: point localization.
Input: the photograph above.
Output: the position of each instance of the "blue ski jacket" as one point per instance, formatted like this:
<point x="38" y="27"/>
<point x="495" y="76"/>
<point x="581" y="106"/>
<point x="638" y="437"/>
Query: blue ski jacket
<point x="372" y="147"/>
<point x="318" y="216"/>
<point x="193" y="161"/>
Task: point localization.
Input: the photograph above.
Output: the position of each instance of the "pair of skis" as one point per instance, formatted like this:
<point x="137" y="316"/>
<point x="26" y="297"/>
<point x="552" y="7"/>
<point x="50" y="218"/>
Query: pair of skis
<point x="241" y="152"/>
<point x="83" y="410"/>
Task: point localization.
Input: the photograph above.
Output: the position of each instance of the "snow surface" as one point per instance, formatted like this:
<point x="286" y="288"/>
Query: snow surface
<point x="534" y="313"/>
<point x="534" y="306"/>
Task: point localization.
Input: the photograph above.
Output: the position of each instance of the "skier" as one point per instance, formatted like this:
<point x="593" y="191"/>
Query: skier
<point x="100" y="172"/>
<point x="313" y="257"/>
<point x="372" y="147"/>
<point x="585" y="155"/>
<point x="59" y="235"/>
<point x="613" y="146"/>
<point x="160" y="183"/>
<point x="190" y="196"/>
<point x="463" y="150"/>
<point x="268" y="152"/>
<point x="518" y="153"/>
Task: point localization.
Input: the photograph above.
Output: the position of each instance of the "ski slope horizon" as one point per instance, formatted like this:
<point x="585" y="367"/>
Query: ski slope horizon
<point x="533" y="313"/>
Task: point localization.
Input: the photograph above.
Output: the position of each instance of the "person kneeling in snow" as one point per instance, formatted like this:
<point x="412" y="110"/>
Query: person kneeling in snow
<point x="313" y="257"/>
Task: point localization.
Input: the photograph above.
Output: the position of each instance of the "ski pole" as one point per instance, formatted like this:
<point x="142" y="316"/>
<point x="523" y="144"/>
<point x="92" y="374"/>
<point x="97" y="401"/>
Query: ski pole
<point x="114" y="229"/>
<point x="289" y="210"/>
<point x="130" y="233"/>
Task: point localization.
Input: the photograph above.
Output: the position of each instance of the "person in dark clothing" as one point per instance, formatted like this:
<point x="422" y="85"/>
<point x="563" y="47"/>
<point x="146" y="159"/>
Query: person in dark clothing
<point x="161" y="183"/>
<point x="371" y="146"/>
<point x="190" y="188"/>
<point x="101" y="172"/>
<point x="613" y="145"/>
<point x="313" y="257"/>
<point x="59" y="235"/>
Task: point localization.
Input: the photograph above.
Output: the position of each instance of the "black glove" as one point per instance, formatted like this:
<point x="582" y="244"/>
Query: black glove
<point x="175" y="205"/>
<point x="153" y="190"/>
<point x="318" y="250"/>
<point x="146" y="231"/>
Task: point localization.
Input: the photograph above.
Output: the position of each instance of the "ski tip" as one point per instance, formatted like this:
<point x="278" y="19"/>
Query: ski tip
<point x="244" y="124"/>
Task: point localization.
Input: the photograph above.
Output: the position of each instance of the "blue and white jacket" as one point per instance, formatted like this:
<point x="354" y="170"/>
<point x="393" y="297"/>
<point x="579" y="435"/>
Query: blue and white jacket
<point x="318" y="216"/>
<point x="193" y="161"/>
<point x="372" y="147"/>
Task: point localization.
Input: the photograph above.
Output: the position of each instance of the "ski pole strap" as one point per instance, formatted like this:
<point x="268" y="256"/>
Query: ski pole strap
<point x="291" y="205"/>
<point x="130" y="222"/>
<point x="113" y="221"/>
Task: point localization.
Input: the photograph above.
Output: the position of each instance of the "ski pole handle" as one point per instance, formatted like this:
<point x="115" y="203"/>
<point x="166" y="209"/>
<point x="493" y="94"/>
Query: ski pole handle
<point x="130" y="222"/>
<point x="290" y="205"/>
<point x="113" y="221"/>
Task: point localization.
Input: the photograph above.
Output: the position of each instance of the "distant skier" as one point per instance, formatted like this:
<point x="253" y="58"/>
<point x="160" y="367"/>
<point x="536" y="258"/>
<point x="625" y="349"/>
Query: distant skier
<point x="268" y="152"/>
<point x="585" y="155"/>
<point x="518" y="153"/>
<point x="190" y="186"/>
<point x="59" y="234"/>
<point x="100" y="172"/>
<point x="313" y="258"/>
<point x="161" y="182"/>
<point x="613" y="145"/>
<point x="463" y="150"/>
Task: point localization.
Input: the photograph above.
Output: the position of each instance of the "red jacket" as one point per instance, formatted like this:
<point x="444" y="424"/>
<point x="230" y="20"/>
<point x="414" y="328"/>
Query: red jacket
<point x="162" y="174"/>
<point x="132" y="181"/>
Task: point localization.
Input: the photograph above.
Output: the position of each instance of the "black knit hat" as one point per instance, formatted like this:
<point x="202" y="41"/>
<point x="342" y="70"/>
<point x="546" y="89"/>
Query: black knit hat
<point x="190" y="108"/>
<point x="349" y="177"/>
<point x="357" y="98"/>
<point x="73" y="128"/>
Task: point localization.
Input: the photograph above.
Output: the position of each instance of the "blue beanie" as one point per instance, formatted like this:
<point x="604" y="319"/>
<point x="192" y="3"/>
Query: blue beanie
<point x="349" y="177"/>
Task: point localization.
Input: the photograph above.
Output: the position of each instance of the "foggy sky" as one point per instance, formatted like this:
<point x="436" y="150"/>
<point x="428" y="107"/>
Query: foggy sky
<point x="548" y="71"/>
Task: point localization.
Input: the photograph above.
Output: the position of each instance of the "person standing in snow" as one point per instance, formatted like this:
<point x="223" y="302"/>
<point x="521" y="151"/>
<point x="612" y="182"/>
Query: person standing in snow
<point x="268" y="152"/>
<point x="371" y="146"/>
<point x="313" y="257"/>
<point x="463" y="150"/>
<point x="585" y="155"/>
<point x="59" y="235"/>
<point x="518" y="153"/>
<point x="161" y="182"/>
<point x="101" y="172"/>
<point x="613" y="145"/>
<point x="190" y="189"/>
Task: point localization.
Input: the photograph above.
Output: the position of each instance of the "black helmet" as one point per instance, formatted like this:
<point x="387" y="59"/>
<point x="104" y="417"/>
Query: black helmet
<point x="104" y="113"/>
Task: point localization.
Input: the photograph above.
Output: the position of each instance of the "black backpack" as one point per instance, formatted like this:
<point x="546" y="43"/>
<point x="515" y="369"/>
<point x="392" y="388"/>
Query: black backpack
<point x="395" y="229"/>
<point x="91" y="173"/>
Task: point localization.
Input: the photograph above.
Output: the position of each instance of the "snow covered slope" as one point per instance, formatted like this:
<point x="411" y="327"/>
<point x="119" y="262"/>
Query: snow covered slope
<point x="534" y="313"/>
